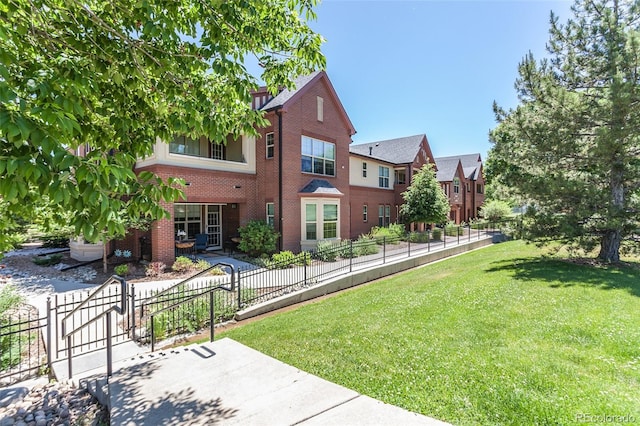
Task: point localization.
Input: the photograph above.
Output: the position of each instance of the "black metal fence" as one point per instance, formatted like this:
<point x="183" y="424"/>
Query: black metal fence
<point x="194" y="304"/>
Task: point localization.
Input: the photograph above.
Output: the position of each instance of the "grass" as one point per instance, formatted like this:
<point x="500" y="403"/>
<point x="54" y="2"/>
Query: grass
<point x="502" y="335"/>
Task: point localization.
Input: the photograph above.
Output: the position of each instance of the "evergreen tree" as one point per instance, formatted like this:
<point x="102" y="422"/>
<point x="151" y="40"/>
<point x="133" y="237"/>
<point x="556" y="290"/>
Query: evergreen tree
<point x="571" y="150"/>
<point x="424" y="200"/>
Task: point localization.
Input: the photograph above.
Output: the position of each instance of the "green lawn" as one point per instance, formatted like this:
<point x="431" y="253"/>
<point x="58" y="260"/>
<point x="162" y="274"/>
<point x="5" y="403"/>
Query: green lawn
<point x="497" y="336"/>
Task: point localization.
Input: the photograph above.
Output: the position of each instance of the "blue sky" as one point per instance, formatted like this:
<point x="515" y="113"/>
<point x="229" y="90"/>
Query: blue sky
<point x="403" y="68"/>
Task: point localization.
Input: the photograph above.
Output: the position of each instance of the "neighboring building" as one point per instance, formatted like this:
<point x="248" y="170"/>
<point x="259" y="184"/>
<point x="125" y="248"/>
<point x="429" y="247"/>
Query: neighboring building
<point x="462" y="181"/>
<point x="295" y="174"/>
<point x="379" y="173"/>
<point x="301" y="174"/>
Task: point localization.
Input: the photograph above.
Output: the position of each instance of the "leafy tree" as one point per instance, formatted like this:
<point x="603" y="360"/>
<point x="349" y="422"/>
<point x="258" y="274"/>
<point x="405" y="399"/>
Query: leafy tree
<point x="424" y="200"/>
<point x="571" y="149"/>
<point x="116" y="75"/>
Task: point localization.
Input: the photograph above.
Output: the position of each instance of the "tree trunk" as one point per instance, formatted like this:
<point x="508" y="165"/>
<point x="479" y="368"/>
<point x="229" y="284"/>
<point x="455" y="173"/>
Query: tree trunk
<point x="610" y="246"/>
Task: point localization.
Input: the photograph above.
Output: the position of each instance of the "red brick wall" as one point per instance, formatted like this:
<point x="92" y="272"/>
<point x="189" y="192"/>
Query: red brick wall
<point x="372" y="197"/>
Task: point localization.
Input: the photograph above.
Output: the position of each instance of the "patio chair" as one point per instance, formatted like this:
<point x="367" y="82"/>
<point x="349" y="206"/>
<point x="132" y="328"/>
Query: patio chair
<point x="201" y="242"/>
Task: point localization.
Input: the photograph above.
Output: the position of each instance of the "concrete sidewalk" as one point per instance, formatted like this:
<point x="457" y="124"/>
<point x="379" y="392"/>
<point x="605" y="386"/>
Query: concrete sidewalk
<point x="227" y="383"/>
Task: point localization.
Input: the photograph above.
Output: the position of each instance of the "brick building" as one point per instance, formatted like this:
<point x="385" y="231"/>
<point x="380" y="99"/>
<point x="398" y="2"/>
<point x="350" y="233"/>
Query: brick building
<point x="462" y="181"/>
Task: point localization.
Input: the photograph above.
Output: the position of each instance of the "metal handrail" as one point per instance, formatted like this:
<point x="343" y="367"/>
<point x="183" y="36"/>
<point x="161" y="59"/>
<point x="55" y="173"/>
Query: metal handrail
<point x="209" y="291"/>
<point x="122" y="309"/>
<point x="199" y="274"/>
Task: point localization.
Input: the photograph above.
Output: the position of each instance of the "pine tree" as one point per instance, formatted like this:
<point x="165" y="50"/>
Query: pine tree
<point x="571" y="150"/>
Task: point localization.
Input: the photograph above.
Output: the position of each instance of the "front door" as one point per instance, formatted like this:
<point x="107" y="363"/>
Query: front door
<point x="214" y="225"/>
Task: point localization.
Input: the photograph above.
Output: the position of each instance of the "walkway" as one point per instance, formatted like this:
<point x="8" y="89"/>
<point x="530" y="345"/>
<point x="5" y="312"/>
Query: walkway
<point x="231" y="384"/>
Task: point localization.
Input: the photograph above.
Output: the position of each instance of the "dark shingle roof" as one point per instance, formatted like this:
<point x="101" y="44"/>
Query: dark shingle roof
<point x="320" y="187"/>
<point x="396" y="151"/>
<point x="281" y="98"/>
<point x="471" y="164"/>
<point x="446" y="168"/>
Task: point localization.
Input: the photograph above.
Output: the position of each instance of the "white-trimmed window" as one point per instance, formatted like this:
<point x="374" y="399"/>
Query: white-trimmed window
<point x="311" y="222"/>
<point x="365" y="213"/>
<point x="383" y="177"/>
<point x="400" y="177"/>
<point x="321" y="219"/>
<point x="364" y="169"/>
<point x="456" y="185"/>
<point x="387" y="215"/>
<point x="187" y="218"/>
<point x="271" y="214"/>
<point x="318" y="157"/>
<point x="185" y="145"/>
<point x="270" y="145"/>
<point x="217" y="151"/>
<point x="479" y="188"/>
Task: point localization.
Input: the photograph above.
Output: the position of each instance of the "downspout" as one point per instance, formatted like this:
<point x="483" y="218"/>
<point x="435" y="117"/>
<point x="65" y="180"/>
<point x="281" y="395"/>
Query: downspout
<point x="280" y="220"/>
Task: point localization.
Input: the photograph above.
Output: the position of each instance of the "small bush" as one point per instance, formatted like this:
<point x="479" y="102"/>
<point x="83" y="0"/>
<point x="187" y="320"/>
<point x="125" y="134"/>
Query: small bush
<point x="122" y="270"/>
<point x="52" y="259"/>
<point x="385" y="235"/>
<point x="436" y="234"/>
<point x="453" y="230"/>
<point x="495" y="210"/>
<point x="202" y="264"/>
<point x="419" y="237"/>
<point x="284" y="259"/>
<point x="327" y="251"/>
<point x="155" y="269"/>
<point x="365" y="246"/>
<point x="56" y="239"/>
<point x="257" y="237"/>
<point x="183" y="264"/>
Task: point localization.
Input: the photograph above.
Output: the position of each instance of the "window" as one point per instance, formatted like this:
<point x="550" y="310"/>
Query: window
<point x="380" y="215"/>
<point x="468" y="187"/>
<point x="365" y="213"/>
<point x="320" y="106"/>
<point x="364" y="169"/>
<point x="456" y="185"/>
<point x="185" y="145"/>
<point x="271" y="214"/>
<point x="270" y="145"/>
<point x="217" y="151"/>
<point x="383" y="177"/>
<point x="384" y="215"/>
<point x="198" y="148"/>
<point x="400" y="177"/>
<point x="310" y="220"/>
<point x="318" y="157"/>
<point x="479" y="188"/>
<point x="187" y="217"/>
<point x="330" y="221"/>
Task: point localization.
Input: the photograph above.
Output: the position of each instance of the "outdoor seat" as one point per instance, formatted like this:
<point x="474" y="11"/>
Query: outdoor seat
<point x="201" y="242"/>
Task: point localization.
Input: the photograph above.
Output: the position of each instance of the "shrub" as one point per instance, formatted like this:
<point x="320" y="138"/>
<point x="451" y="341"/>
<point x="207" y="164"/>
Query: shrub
<point x="419" y="237"/>
<point x="155" y="269"/>
<point x="284" y="259"/>
<point x="56" y="239"/>
<point x="453" y="230"/>
<point x="121" y="270"/>
<point x="385" y="235"/>
<point x="10" y="347"/>
<point x="436" y="234"/>
<point x="495" y="210"/>
<point x="202" y="264"/>
<point x="183" y="264"/>
<point x="52" y="259"/>
<point x="365" y="246"/>
<point x="327" y="251"/>
<point x="257" y="237"/>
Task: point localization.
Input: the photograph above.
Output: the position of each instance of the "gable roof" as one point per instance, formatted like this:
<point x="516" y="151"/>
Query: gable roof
<point x="286" y="96"/>
<point x="397" y="151"/>
<point x="471" y="164"/>
<point x="447" y="167"/>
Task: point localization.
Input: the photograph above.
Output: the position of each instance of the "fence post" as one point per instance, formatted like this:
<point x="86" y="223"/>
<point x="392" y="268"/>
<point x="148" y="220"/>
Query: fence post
<point x="133" y="312"/>
<point x="153" y="343"/>
<point x="428" y="240"/>
<point x="109" y="348"/>
<point x="350" y="256"/>
<point x="409" y="244"/>
<point x="304" y="258"/>
<point x="458" y="232"/>
<point x="239" y="292"/>
<point x="469" y="226"/>
<point x="212" y="301"/>
<point x="49" y="337"/>
<point x="384" y="249"/>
